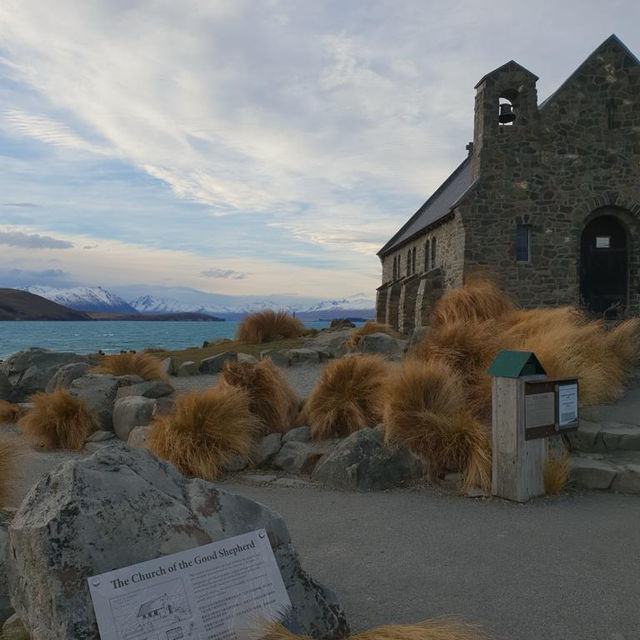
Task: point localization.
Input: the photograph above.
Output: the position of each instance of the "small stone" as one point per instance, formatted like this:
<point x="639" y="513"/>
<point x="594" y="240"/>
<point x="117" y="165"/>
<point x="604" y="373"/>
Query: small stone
<point x="215" y="364"/>
<point x="299" y="434"/>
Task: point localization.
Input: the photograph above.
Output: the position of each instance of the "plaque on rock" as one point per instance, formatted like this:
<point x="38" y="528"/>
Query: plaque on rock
<point x="219" y="591"/>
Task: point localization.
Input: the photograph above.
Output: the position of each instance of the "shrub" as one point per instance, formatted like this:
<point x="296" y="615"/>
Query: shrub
<point x="144" y="365"/>
<point x="9" y="412"/>
<point x="205" y="431"/>
<point x="263" y="326"/>
<point x="271" y="398"/>
<point x="442" y="629"/>
<point x="425" y="410"/>
<point x="555" y="475"/>
<point x="366" y="329"/>
<point x="347" y="396"/>
<point x="58" y="420"/>
<point x="9" y="455"/>
<point x="476" y="301"/>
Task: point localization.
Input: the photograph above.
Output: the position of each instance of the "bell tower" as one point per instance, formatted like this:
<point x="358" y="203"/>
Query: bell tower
<point x="506" y="109"/>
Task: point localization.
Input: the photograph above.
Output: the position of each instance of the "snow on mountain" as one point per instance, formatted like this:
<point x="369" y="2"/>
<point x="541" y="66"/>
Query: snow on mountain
<point x="94" y="299"/>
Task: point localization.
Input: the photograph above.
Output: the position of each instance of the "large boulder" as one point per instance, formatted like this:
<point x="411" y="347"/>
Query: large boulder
<point x="66" y="374"/>
<point x="215" y="364"/>
<point x="98" y="390"/>
<point x="30" y="371"/>
<point x="120" y="507"/>
<point x="381" y="344"/>
<point x="5" y="605"/>
<point x="361" y="462"/>
<point x="130" y="412"/>
<point x="5" y="386"/>
<point x="147" y="389"/>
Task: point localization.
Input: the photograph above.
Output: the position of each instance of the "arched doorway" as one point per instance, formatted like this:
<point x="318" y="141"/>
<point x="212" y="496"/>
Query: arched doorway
<point x="604" y="265"/>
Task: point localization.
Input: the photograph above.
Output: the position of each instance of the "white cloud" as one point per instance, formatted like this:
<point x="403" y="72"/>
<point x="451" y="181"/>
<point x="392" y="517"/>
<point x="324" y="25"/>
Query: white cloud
<point x="32" y="240"/>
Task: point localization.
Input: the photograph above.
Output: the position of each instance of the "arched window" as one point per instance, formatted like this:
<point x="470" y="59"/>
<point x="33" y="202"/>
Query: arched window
<point x="393" y="271"/>
<point x="398" y="266"/>
<point x="433" y="253"/>
<point x="408" y="263"/>
<point x="413" y="260"/>
<point x="426" y="254"/>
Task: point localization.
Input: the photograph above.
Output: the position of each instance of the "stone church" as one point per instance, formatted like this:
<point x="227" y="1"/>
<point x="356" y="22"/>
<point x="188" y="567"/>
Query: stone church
<point x="547" y="200"/>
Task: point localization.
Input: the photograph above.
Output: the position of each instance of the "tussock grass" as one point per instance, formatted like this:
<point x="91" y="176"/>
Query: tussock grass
<point x="439" y="629"/>
<point x="9" y="412"/>
<point x="144" y="365"/>
<point x="624" y="341"/>
<point x="263" y="326"/>
<point x="425" y="410"/>
<point x="271" y="398"/>
<point x="366" y="329"/>
<point x="347" y="396"/>
<point x="205" y="431"/>
<point x="555" y="475"/>
<point x="10" y="452"/>
<point x="478" y="300"/>
<point x="57" y="421"/>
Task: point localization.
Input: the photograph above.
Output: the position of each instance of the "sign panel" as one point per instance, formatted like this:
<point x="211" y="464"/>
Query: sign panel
<point x="539" y="410"/>
<point x="603" y="242"/>
<point x="215" y="592"/>
<point x="567" y="404"/>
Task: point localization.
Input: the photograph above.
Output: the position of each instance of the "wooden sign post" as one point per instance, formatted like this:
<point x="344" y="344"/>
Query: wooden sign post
<point x="527" y="407"/>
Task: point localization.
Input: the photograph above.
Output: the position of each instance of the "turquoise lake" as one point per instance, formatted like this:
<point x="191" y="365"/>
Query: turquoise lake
<point x="112" y="336"/>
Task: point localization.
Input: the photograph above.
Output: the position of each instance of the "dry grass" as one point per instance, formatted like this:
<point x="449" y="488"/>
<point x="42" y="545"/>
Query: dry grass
<point x="478" y="300"/>
<point x="9" y="456"/>
<point x="624" y="341"/>
<point x="9" y="412"/>
<point x="555" y="475"/>
<point x="425" y="410"/>
<point x="366" y="329"/>
<point x="264" y="326"/>
<point x="440" y="629"/>
<point x="144" y="365"/>
<point x="271" y="398"/>
<point x="347" y="396"/>
<point x="205" y="431"/>
<point x="57" y="421"/>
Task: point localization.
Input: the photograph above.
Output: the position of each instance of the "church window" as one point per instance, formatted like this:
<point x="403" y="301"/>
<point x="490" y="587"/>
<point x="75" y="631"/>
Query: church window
<point x="426" y="255"/>
<point x="433" y="253"/>
<point x="612" y="121"/>
<point x="523" y="243"/>
<point x="413" y="260"/>
<point x="408" y="263"/>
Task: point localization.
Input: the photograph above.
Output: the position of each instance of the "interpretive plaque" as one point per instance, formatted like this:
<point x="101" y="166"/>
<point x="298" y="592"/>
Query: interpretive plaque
<point x="218" y="591"/>
<point x="567" y="404"/>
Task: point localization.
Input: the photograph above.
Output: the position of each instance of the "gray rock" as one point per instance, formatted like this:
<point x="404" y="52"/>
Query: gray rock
<point x="5" y="605"/>
<point x="627" y="480"/>
<point x="120" y="507"/>
<point x="215" y="364"/>
<point x="15" y="365"/>
<point x="584" y="437"/>
<point x="98" y="390"/>
<point x="92" y="447"/>
<point x="186" y="369"/>
<point x="341" y="323"/>
<point x="299" y="457"/>
<point x="622" y="437"/>
<point x="164" y="406"/>
<point x="66" y="374"/>
<point x="267" y="448"/>
<point x="13" y="629"/>
<point x="167" y="366"/>
<point x="41" y="366"/>
<point x="361" y="462"/>
<point x="247" y="358"/>
<point x="417" y="336"/>
<point x="299" y="434"/>
<point x="101" y="436"/>
<point x="139" y="437"/>
<point x="130" y="412"/>
<point x="148" y="389"/>
<point x="304" y="356"/>
<point x="236" y="463"/>
<point x="590" y="473"/>
<point x="279" y="357"/>
<point x="381" y="344"/>
<point x="5" y="386"/>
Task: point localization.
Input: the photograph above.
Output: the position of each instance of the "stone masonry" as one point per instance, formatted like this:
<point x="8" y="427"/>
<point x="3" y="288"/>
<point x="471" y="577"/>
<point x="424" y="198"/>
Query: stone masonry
<point x="571" y="160"/>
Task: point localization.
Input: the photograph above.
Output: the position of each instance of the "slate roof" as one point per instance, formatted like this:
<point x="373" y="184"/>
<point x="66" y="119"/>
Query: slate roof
<point x="436" y="207"/>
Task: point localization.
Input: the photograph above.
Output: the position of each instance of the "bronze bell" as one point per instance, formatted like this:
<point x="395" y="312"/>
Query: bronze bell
<point x="506" y="114"/>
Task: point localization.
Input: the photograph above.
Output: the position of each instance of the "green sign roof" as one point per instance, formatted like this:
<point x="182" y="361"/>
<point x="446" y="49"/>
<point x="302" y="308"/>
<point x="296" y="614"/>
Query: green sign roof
<point x="514" y="364"/>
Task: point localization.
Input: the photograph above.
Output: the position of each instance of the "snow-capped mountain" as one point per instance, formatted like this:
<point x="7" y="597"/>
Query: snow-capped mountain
<point x="94" y="299"/>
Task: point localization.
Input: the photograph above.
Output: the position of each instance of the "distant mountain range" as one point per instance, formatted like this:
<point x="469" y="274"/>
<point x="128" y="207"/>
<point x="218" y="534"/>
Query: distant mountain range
<point x="157" y="300"/>
<point x="22" y="305"/>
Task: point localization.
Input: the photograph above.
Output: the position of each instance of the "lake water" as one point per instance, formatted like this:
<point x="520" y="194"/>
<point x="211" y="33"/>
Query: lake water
<point x="111" y="336"/>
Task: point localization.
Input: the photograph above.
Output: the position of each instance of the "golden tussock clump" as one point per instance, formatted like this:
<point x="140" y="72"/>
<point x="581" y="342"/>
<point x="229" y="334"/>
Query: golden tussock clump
<point x="58" y="420"/>
<point x="10" y="452"/>
<point x="425" y="410"/>
<point x="555" y="475"/>
<point x="478" y="300"/>
<point x="271" y="398"/>
<point x="144" y="365"/>
<point x="440" y="629"/>
<point x="624" y="341"/>
<point x="347" y="396"/>
<point x="366" y="329"/>
<point x="524" y="323"/>
<point x="263" y="326"/>
<point x="9" y="412"/>
<point x="205" y="431"/>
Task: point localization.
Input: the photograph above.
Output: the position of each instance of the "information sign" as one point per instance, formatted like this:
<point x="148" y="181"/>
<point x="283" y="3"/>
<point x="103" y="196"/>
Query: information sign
<point x="567" y="404"/>
<point x="218" y="591"/>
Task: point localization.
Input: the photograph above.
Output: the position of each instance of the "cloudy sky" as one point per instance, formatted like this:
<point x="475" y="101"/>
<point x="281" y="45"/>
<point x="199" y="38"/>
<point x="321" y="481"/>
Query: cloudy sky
<point x="248" y="147"/>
